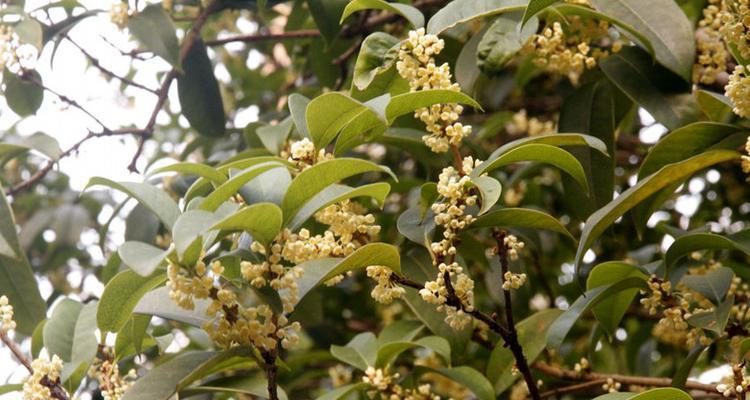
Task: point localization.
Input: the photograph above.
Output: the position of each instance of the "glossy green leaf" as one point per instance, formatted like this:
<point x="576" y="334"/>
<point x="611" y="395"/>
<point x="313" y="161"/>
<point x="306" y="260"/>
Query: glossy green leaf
<point x="327" y="14"/>
<point x="261" y="220"/>
<point x="324" y="125"/>
<point x="158" y="303"/>
<point x="543" y="153"/>
<point x="273" y="137"/>
<point x="535" y="7"/>
<point x="297" y="108"/>
<point x="132" y="335"/>
<point x="408" y="102"/>
<point x="468" y="377"/>
<point x="85" y="344"/>
<point x="653" y="394"/>
<point x="154" y="29"/>
<point x="142" y="258"/>
<point x="521" y="218"/>
<point x="187" y="233"/>
<point x="336" y="193"/>
<point x="684" y="245"/>
<point x="412" y="14"/>
<point x="321" y="270"/>
<point x="713" y="285"/>
<point x="460" y="11"/>
<point x="360" y="352"/>
<point x="610" y="311"/>
<point x="161" y="382"/>
<point x="150" y="196"/>
<point x="562" y="325"/>
<point x="663" y="23"/>
<point x="417" y="226"/>
<point x="686" y="366"/>
<point x="188" y="168"/>
<point x="316" y="178"/>
<point x="715" y="106"/>
<point x="24" y="96"/>
<point x="17" y="280"/>
<point x="120" y="297"/>
<point x="199" y="93"/>
<point x="59" y="331"/>
<point x="375" y="57"/>
<point x="388" y="352"/>
<point x="255" y="385"/>
<point x="676" y="172"/>
<point x="489" y="190"/>
<point x="502" y="41"/>
<point x="344" y="391"/>
<point x="229" y="188"/>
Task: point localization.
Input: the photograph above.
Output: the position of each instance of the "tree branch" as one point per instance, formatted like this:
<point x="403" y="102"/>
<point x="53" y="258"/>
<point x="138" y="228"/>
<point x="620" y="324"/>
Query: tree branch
<point x="55" y="388"/>
<point x="512" y="339"/>
<point x="625" y="379"/>
<point x="163" y="91"/>
<point x="260" y="37"/>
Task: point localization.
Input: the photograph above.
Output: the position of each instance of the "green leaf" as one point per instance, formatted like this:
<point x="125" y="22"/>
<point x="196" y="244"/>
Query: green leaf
<point x="714" y="320"/>
<point x="609" y="312"/>
<point x="562" y="325"/>
<point x="158" y="303"/>
<point x="161" y="382"/>
<point x="29" y="31"/>
<point x="375" y="58"/>
<point x="327" y="14"/>
<point x="197" y="169"/>
<point x="256" y="385"/>
<point x="17" y="280"/>
<point x="360" y="352"/>
<point x="713" y="285"/>
<point x="489" y="190"/>
<point x="325" y="125"/>
<point x="261" y="220"/>
<point x="37" y="339"/>
<point x="663" y="23"/>
<point x="321" y="175"/>
<point x="154" y="29"/>
<point x="534" y="7"/>
<point x="187" y="234"/>
<point x="502" y="41"/>
<point x="321" y="270"/>
<point x="229" y="188"/>
<point x="85" y="344"/>
<point x="297" y="107"/>
<point x="683" y="372"/>
<point x="460" y="11"/>
<point x="541" y="153"/>
<point x="142" y="258"/>
<point x="558" y="139"/>
<point x="653" y="88"/>
<point x="466" y="376"/>
<point x="388" y="352"/>
<point x="399" y="331"/>
<point x="59" y="330"/>
<point x="685" y="142"/>
<point x="120" y="297"/>
<point x="521" y="218"/>
<point x="416" y="226"/>
<point x="365" y="126"/>
<point x="715" y="106"/>
<point x="344" y="391"/>
<point x="532" y="336"/>
<point x="336" y="193"/>
<point x="24" y="96"/>
<point x="408" y="102"/>
<point x="150" y="196"/>
<point x="653" y="394"/>
<point x="686" y="244"/>
<point x="132" y="335"/>
<point x="676" y="172"/>
<point x="199" y="93"/>
<point x="412" y="14"/>
<point x="273" y="137"/>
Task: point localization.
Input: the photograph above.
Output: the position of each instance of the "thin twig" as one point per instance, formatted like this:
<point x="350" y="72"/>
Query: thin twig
<point x="625" y="379"/>
<point x="260" y="37"/>
<point x="95" y="62"/>
<point x="578" y="387"/>
<point x="55" y="387"/>
<point x="163" y="91"/>
<point x="30" y="78"/>
<point x="512" y="339"/>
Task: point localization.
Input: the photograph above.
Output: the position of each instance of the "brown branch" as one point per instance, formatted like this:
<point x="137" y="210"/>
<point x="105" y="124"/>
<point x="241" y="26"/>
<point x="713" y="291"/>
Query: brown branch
<point x="578" y="387"/>
<point x="163" y="91"/>
<point x="25" y="75"/>
<point x="512" y="339"/>
<point x="42" y="172"/>
<point x="95" y="62"/>
<point x="625" y="379"/>
<point x="301" y="34"/>
<point x="55" y="387"/>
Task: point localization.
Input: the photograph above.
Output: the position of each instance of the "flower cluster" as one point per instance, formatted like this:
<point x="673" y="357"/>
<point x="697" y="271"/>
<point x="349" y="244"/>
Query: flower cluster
<point x="571" y="51"/>
<point x="386" y="290"/>
<point x="582" y="366"/>
<point x="340" y="375"/>
<point x="611" y="386"/>
<point x="7" y="323"/>
<point x="119" y="14"/>
<point x="461" y="287"/>
<point x="384" y="383"/>
<point x="302" y="154"/>
<point x="522" y="124"/>
<point x="513" y="281"/>
<point x="711" y="63"/>
<point x="416" y="63"/>
<point x="106" y="371"/>
<point x="736" y="384"/>
<point x="738" y="91"/>
<point x="735" y="24"/>
<point x="44" y="379"/>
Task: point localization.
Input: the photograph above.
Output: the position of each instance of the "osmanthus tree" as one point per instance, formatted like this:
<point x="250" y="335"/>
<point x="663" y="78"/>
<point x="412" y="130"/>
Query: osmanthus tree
<point x="442" y="199"/>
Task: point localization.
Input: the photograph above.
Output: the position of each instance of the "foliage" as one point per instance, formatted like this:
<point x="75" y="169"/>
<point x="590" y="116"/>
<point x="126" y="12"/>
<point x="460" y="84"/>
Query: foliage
<point x="440" y="199"/>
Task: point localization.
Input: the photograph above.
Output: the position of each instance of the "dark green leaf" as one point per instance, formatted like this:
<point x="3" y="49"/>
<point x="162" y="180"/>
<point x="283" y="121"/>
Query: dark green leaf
<point x="610" y="311"/>
<point x="154" y="29"/>
<point x="24" y="96"/>
<point x="713" y="285"/>
<point x="460" y="11"/>
<point x="412" y="14"/>
<point x="521" y="218"/>
<point x="199" y="93"/>
<point x="120" y="297"/>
